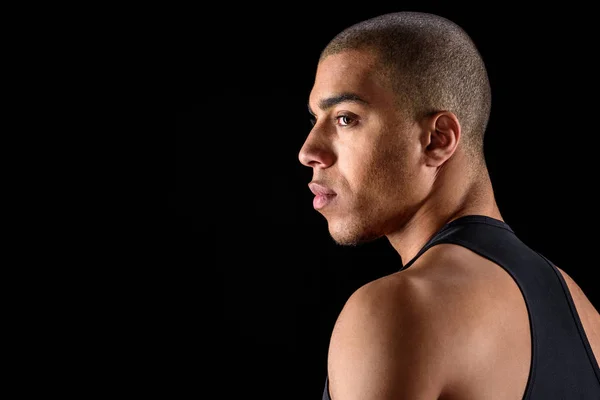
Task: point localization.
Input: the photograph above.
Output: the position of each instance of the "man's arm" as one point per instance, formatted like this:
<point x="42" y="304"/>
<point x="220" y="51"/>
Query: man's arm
<point x="391" y="341"/>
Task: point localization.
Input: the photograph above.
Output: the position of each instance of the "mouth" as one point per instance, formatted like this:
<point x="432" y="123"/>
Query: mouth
<point x="323" y="195"/>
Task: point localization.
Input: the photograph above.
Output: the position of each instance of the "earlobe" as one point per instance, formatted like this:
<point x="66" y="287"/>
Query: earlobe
<point x="444" y="134"/>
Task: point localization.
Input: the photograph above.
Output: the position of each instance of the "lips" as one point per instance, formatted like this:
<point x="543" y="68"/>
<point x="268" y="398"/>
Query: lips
<point x="323" y="195"/>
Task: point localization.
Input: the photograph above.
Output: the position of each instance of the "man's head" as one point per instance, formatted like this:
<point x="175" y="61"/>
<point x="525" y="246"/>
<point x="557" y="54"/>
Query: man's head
<point x="432" y="65"/>
<point x="393" y="97"/>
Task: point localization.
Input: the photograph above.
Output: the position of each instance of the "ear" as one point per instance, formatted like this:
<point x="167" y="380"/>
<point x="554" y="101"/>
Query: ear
<point x="441" y="136"/>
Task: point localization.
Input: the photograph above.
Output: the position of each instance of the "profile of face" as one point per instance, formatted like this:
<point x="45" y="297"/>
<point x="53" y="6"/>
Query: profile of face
<point x="366" y="156"/>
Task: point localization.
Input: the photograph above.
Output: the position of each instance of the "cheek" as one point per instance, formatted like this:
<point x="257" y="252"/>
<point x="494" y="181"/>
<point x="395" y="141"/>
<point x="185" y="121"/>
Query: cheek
<point x="389" y="162"/>
<point x="374" y="174"/>
<point x="393" y="174"/>
<point x="375" y="168"/>
<point x="360" y="169"/>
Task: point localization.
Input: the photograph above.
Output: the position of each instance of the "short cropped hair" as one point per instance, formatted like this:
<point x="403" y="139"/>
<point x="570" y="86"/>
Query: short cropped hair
<point x="431" y="63"/>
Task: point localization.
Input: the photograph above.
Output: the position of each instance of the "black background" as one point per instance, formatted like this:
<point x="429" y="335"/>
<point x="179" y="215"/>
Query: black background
<point x="254" y="283"/>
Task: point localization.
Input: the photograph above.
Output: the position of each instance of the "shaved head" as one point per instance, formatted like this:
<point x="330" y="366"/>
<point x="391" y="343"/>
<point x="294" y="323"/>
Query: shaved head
<point x="431" y="64"/>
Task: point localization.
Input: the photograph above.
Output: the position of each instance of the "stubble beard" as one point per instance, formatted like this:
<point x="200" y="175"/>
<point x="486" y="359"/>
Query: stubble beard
<point x="353" y="233"/>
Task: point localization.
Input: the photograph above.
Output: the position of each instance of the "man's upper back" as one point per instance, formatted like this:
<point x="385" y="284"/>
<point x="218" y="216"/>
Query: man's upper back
<point x="456" y="325"/>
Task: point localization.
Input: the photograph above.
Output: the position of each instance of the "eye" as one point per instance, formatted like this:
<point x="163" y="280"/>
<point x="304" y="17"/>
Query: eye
<point x="345" y="120"/>
<point x="313" y="121"/>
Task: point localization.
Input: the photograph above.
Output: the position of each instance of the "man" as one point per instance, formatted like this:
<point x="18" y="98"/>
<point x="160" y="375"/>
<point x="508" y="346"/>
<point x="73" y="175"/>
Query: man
<point x="400" y="104"/>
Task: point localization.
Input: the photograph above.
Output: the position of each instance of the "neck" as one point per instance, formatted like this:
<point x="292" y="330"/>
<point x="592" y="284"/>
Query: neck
<point x="452" y="197"/>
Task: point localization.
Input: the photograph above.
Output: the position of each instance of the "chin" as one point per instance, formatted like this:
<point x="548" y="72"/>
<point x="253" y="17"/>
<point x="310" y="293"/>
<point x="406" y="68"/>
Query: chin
<point x="351" y="235"/>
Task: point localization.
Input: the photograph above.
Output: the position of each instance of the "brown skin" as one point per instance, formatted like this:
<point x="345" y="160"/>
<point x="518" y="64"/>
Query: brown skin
<point x="447" y="328"/>
<point x="393" y="176"/>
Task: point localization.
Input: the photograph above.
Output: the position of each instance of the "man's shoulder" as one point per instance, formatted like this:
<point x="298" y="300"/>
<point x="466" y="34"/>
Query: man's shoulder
<point x="405" y="305"/>
<point x="420" y="326"/>
<point x="445" y="287"/>
<point x="399" y="332"/>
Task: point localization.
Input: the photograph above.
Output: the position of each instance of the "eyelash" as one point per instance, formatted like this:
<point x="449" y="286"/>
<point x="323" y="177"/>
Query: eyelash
<point x="313" y="121"/>
<point x="352" y="120"/>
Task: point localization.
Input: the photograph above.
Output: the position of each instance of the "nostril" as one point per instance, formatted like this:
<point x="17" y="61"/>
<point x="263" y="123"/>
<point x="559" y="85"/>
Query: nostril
<point x="306" y="154"/>
<point x="317" y="157"/>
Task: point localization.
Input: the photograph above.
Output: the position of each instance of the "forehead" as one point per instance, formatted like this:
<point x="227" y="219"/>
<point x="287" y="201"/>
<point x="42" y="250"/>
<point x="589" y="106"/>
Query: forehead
<point x="352" y="71"/>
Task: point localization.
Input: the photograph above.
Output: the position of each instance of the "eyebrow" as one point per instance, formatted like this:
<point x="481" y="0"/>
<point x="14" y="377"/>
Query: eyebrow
<point x="329" y="102"/>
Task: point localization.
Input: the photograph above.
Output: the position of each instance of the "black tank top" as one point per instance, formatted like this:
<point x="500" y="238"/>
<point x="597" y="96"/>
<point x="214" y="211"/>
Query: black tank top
<point x="562" y="363"/>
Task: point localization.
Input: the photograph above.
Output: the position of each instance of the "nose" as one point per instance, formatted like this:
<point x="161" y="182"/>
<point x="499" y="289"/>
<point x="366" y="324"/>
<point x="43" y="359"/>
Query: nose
<point x="317" y="150"/>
